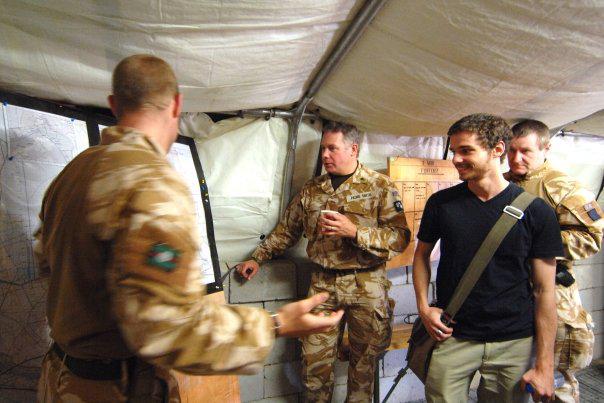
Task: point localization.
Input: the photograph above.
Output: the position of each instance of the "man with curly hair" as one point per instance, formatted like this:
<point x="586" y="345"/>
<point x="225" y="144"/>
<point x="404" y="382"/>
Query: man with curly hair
<point x="512" y="307"/>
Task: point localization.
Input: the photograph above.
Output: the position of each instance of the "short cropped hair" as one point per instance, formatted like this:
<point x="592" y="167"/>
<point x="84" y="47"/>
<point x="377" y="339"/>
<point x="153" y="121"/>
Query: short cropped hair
<point x="529" y="126"/>
<point x="349" y="132"/>
<point x="489" y="129"/>
<point x="142" y="82"/>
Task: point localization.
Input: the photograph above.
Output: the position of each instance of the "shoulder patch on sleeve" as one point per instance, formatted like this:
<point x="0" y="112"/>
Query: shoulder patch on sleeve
<point x="592" y="211"/>
<point x="398" y="206"/>
<point x="163" y="256"/>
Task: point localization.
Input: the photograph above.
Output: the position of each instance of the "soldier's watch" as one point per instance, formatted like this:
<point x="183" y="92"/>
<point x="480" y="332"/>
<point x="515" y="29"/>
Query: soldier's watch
<point x="276" y="322"/>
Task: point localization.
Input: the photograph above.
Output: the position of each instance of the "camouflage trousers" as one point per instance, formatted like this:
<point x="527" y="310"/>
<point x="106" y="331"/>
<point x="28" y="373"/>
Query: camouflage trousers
<point x="58" y="384"/>
<point x="573" y="351"/>
<point x="364" y="297"/>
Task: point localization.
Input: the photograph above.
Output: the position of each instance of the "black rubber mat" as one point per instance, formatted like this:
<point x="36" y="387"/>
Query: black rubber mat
<point x="591" y="383"/>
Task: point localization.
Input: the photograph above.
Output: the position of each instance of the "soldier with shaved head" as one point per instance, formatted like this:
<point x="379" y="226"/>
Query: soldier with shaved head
<point x="119" y="243"/>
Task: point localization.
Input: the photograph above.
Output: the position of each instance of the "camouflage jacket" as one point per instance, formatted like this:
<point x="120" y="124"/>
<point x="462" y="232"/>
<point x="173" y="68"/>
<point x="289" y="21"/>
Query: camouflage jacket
<point x="582" y="223"/>
<point x="369" y="199"/>
<point x="120" y="243"/>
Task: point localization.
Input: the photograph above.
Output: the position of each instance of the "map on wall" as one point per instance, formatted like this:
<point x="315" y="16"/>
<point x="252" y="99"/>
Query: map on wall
<point x="35" y="147"/>
<point x="182" y="160"/>
<point x="416" y="179"/>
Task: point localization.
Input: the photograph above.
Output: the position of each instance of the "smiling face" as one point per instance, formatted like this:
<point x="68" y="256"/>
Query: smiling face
<point x="471" y="159"/>
<point x="526" y="154"/>
<point x="338" y="155"/>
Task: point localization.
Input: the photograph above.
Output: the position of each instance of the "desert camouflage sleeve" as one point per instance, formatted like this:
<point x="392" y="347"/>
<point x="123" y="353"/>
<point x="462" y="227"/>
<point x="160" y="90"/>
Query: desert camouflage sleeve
<point x="286" y="233"/>
<point x="391" y="236"/>
<point x="154" y="280"/>
<point x="579" y="215"/>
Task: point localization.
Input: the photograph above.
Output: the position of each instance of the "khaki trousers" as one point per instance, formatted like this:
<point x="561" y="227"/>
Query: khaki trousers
<point x="364" y="298"/>
<point x="501" y="366"/>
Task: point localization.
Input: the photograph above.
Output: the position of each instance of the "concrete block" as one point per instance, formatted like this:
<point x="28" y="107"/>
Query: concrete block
<point x="284" y="349"/>
<point x="282" y="379"/>
<point x="404" y="295"/>
<point x="341" y="372"/>
<point x="281" y="399"/>
<point x="251" y="387"/>
<point x="589" y="275"/>
<point x="409" y="389"/>
<point x="393" y="361"/>
<point x="397" y="276"/>
<point x="598" y="258"/>
<point x="276" y="280"/>
<point x="592" y="298"/>
<point x="598" y="317"/>
<point x="599" y="347"/>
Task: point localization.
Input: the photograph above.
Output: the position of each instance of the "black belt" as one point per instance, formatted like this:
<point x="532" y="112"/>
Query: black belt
<point x="97" y="370"/>
<point x="349" y="271"/>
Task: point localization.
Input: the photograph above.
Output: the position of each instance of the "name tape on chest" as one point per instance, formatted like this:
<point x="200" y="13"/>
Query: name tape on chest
<point x="360" y="196"/>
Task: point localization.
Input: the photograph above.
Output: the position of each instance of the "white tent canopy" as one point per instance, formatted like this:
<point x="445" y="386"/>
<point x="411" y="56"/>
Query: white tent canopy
<point x="419" y="65"/>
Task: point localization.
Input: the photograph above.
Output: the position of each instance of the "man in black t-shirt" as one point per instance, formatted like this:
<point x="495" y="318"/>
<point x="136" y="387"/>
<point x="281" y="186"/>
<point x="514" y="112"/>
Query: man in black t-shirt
<point x="514" y="298"/>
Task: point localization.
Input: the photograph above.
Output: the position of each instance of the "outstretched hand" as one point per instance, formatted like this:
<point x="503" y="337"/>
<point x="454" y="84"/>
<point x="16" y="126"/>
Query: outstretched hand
<point x="296" y="320"/>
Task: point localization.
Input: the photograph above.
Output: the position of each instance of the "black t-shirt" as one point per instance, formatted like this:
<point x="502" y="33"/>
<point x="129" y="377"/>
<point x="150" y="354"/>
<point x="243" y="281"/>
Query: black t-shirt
<point x="500" y="306"/>
<point x="337" y="180"/>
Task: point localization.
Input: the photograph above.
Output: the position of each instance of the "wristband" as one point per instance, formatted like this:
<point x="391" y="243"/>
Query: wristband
<point x="276" y="322"/>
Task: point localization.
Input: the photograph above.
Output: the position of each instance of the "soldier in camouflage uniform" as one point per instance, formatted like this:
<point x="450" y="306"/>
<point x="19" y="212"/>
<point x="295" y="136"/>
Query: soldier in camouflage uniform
<point x="581" y="223"/>
<point x="119" y="243"/>
<point x="365" y="227"/>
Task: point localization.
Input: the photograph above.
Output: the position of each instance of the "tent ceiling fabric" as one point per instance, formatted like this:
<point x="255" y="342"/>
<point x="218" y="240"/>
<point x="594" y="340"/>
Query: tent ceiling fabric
<point x="420" y="65"/>
<point x="593" y="124"/>
<point x="228" y="55"/>
<point x="423" y="64"/>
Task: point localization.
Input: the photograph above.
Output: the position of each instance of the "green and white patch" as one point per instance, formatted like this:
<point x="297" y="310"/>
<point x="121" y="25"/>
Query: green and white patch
<point x="163" y="256"/>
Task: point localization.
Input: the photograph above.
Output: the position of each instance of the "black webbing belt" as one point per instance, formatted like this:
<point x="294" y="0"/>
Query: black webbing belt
<point x="97" y="370"/>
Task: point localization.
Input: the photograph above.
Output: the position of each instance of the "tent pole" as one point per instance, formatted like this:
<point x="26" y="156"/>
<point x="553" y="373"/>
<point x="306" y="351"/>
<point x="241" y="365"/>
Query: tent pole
<point x="365" y="15"/>
<point x="446" y="152"/>
<point x="270" y="113"/>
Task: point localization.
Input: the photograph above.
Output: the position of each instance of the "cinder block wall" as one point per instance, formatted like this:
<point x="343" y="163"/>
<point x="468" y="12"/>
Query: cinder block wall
<point x="589" y="274"/>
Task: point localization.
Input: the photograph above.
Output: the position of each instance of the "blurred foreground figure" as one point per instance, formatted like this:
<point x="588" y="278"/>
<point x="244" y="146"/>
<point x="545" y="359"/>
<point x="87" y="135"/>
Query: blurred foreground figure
<point x="120" y="245"/>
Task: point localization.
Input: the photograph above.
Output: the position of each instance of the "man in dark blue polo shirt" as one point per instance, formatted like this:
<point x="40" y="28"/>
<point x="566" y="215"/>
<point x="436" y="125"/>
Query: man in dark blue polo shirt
<point x="512" y="307"/>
